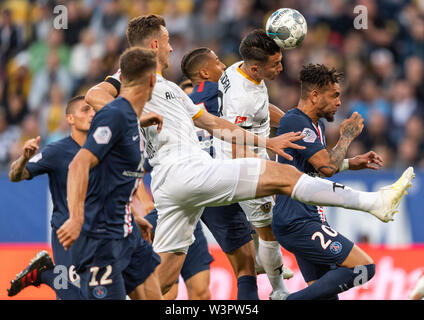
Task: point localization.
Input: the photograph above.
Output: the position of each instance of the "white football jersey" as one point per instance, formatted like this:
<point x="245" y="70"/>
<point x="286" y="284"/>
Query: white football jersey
<point x="245" y="103"/>
<point x="178" y="137"/>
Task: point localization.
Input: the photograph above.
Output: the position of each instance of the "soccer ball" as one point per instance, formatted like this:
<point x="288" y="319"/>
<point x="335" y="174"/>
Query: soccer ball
<point x="287" y="27"/>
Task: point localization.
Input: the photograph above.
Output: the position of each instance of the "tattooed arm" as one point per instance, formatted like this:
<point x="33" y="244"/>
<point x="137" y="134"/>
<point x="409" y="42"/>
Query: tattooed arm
<point x="327" y="162"/>
<point x="18" y="172"/>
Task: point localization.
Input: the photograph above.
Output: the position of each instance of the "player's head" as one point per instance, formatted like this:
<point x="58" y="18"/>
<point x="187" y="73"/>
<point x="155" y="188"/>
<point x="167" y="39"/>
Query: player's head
<point x="202" y="64"/>
<point x="261" y="55"/>
<point x="79" y="114"/>
<point x="187" y="86"/>
<point x="138" y="69"/>
<point x="320" y="87"/>
<point x="150" y="32"/>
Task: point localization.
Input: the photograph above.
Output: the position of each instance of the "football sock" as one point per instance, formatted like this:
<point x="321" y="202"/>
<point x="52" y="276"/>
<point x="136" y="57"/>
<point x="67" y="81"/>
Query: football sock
<point x="64" y="291"/>
<point x="321" y="192"/>
<point x="271" y="259"/>
<point x="247" y="288"/>
<point x="335" y="281"/>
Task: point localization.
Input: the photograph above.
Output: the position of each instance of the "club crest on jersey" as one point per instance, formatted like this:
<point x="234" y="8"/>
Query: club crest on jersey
<point x="266" y="207"/>
<point x="310" y="135"/>
<point x="240" y="119"/>
<point x="36" y="158"/>
<point x="336" y="247"/>
<point x="102" y="135"/>
<point x="100" y="292"/>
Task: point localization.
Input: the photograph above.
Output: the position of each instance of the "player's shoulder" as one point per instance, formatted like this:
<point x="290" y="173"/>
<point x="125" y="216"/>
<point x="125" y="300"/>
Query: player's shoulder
<point x="53" y="150"/>
<point x="115" y="108"/>
<point x="204" y="90"/>
<point x="59" y="144"/>
<point x="294" y="118"/>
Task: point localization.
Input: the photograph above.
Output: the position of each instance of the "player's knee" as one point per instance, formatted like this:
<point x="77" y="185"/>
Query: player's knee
<point x="199" y="293"/>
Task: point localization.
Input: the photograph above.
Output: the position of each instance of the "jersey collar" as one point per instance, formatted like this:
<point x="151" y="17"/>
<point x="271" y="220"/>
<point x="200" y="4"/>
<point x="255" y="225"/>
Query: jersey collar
<point x="246" y="76"/>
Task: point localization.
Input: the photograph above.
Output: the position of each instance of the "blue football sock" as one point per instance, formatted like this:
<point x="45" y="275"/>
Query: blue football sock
<point x="72" y="292"/>
<point x="247" y="288"/>
<point x="334" y="282"/>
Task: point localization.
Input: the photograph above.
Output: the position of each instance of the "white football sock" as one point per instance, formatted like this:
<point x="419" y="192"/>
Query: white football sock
<point x="272" y="261"/>
<point x="321" y="192"/>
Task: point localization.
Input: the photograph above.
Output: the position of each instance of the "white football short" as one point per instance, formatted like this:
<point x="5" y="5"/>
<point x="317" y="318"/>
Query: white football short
<point x="192" y="184"/>
<point x="258" y="211"/>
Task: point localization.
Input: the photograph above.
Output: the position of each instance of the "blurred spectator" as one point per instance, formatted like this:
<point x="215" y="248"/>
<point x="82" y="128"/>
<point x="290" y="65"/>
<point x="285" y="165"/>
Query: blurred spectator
<point x="8" y="136"/>
<point x="206" y="25"/>
<point x="109" y="20"/>
<point x="16" y="109"/>
<point x="112" y="51"/>
<point x="407" y="153"/>
<point x="39" y="50"/>
<point x="43" y="80"/>
<point x="52" y="112"/>
<point x="383" y="65"/>
<point x="370" y="100"/>
<point x="10" y="37"/>
<point x="83" y="53"/>
<point x="78" y="20"/>
<point x="41" y="21"/>
<point x="414" y="74"/>
<point x="176" y="17"/>
<point x="403" y="106"/>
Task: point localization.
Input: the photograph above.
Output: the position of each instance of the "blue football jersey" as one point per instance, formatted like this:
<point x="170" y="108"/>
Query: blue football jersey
<point x="115" y="139"/>
<point x="288" y="212"/>
<point x="54" y="161"/>
<point x="206" y="95"/>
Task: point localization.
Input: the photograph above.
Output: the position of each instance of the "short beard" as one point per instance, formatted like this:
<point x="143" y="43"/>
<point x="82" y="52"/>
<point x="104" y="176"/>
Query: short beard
<point x="329" y="117"/>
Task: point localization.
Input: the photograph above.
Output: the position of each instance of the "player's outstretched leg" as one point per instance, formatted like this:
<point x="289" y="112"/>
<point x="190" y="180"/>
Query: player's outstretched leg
<point x="382" y="204"/>
<point x="31" y="275"/>
<point x="285" y="179"/>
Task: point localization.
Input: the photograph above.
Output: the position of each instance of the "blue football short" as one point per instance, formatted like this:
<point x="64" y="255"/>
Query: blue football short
<point x="316" y="246"/>
<point x="113" y="268"/>
<point x="228" y="225"/>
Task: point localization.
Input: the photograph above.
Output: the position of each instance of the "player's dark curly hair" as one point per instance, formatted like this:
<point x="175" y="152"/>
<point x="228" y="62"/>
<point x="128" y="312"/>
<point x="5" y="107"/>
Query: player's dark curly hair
<point x="191" y="61"/>
<point x="317" y="76"/>
<point x="256" y="46"/>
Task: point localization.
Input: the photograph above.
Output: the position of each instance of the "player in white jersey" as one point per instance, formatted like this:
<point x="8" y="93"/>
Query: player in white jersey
<point x="185" y="178"/>
<point x="245" y="102"/>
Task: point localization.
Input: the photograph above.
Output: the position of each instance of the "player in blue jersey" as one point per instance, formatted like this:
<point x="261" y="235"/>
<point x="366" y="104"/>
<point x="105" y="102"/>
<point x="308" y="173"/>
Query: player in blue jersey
<point x="109" y="253"/>
<point x="228" y="224"/>
<point x="329" y="262"/>
<point x="186" y="179"/>
<point x="53" y="160"/>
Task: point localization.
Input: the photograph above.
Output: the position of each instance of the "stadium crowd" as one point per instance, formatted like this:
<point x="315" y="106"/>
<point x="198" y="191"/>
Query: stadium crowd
<point x="41" y="67"/>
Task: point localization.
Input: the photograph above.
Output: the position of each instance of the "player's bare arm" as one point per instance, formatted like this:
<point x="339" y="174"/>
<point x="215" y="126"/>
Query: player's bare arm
<point x="275" y="115"/>
<point x="328" y="162"/>
<point x="100" y="95"/>
<point x="18" y="172"/>
<point x="76" y="190"/>
<point x="225" y="130"/>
